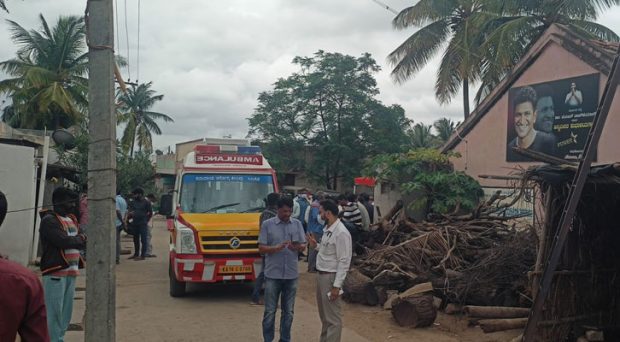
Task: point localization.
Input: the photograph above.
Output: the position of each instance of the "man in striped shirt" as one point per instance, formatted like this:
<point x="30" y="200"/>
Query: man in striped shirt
<point x="350" y="212"/>
<point x="61" y="243"/>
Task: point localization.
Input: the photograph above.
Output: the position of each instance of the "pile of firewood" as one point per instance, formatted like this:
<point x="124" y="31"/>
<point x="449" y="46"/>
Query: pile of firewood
<point x="477" y="259"/>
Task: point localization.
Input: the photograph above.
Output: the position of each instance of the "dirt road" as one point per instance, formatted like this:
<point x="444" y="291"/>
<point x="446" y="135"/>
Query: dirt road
<point x="145" y="311"/>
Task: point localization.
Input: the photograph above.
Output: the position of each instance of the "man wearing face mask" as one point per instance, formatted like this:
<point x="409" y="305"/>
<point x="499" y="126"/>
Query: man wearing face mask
<point x="61" y="242"/>
<point x="332" y="264"/>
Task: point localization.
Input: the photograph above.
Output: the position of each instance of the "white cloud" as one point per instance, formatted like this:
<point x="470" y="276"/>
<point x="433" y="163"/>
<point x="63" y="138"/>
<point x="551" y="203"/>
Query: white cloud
<point x="211" y="59"/>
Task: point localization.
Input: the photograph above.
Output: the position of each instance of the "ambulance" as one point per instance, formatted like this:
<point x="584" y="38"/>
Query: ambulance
<point x="219" y="195"/>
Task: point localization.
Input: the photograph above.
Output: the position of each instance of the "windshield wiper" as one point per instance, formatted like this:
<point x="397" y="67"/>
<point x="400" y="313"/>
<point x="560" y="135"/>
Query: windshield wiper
<point x="221" y="207"/>
<point x="253" y="209"/>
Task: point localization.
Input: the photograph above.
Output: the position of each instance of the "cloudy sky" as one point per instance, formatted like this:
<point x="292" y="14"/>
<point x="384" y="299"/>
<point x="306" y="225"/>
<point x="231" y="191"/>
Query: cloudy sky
<point x="211" y="58"/>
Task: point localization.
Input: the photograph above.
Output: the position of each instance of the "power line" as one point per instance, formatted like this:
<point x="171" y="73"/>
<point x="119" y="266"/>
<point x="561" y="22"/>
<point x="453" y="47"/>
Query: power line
<point x="138" y="59"/>
<point x="118" y="38"/>
<point x="385" y="6"/>
<point x="127" y="38"/>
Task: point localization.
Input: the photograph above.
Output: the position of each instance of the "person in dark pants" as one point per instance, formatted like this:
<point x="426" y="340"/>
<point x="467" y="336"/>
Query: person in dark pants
<point x="281" y="239"/>
<point x="140" y="212"/>
<point x="269" y="212"/>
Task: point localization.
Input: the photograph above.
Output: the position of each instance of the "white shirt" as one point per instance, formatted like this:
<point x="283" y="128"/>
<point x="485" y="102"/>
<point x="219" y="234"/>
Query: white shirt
<point x="365" y="216"/>
<point x="335" y="252"/>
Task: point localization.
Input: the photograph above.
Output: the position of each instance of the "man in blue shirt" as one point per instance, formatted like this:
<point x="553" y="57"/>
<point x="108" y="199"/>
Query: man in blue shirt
<point x="315" y="228"/>
<point x="121" y="211"/>
<point x="281" y="239"/>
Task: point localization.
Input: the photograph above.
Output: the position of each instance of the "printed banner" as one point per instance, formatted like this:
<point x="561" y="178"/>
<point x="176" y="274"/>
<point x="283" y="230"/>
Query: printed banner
<point x="552" y="117"/>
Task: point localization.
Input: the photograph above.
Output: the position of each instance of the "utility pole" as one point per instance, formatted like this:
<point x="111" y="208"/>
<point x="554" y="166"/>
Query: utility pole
<point x="100" y="322"/>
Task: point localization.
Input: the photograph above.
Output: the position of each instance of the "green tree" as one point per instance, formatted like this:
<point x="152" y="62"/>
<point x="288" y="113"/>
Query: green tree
<point x="430" y="172"/>
<point x="48" y="85"/>
<point x="444" y="128"/>
<point x="140" y="122"/>
<point x="422" y="137"/>
<point x="387" y="129"/>
<point x="509" y="35"/>
<point x="457" y="22"/>
<point x="321" y="119"/>
<point x="135" y="171"/>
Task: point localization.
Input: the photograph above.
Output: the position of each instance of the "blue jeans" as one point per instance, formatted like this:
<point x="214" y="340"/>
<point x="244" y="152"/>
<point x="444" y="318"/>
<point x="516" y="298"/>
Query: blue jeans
<point x="285" y="289"/>
<point x="258" y="284"/>
<point x="59" y="293"/>
<point x="141" y="237"/>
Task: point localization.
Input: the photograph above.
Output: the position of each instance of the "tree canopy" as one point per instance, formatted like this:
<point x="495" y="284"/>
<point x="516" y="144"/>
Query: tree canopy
<point x="48" y="88"/>
<point x="324" y="119"/>
<point x="482" y="40"/>
<point x="141" y="122"/>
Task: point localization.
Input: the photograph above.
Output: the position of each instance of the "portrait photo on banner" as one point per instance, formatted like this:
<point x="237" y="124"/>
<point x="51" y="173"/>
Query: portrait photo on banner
<point x="553" y="117"/>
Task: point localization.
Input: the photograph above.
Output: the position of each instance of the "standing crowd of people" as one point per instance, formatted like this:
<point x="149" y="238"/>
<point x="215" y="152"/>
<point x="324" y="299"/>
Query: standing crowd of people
<point x="327" y="227"/>
<point x="41" y="310"/>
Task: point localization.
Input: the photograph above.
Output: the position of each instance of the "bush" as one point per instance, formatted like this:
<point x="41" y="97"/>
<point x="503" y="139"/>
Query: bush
<point x="430" y="172"/>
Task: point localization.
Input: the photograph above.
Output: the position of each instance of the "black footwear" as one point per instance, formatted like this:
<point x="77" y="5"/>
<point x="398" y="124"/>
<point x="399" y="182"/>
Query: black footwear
<point x="133" y="257"/>
<point x="151" y="256"/>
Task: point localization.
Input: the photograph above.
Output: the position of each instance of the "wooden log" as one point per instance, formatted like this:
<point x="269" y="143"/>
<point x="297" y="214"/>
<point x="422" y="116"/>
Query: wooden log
<point x="358" y="288"/>
<point x="416" y="312"/>
<point x="391" y="294"/>
<point x="452" y="309"/>
<point x="492" y="325"/>
<point x="595" y="336"/>
<point x="417" y="289"/>
<point x="520" y="339"/>
<point x="382" y="295"/>
<point x="495" y="311"/>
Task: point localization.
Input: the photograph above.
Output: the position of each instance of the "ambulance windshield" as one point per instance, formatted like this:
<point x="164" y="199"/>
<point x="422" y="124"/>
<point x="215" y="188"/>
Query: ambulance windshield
<point x="220" y="193"/>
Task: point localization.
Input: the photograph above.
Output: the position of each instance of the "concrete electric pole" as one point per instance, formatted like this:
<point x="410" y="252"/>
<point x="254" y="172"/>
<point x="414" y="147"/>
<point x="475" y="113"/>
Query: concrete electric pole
<point x="100" y="319"/>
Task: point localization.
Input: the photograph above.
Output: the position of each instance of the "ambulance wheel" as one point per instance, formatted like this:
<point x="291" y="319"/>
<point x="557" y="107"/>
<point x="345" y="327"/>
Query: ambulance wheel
<point x="177" y="288"/>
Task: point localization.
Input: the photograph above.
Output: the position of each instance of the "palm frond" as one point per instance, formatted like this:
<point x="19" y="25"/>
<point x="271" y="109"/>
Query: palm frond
<point x="417" y="50"/>
<point x="158" y="116"/>
<point x="594" y="30"/>
<point x="423" y="13"/>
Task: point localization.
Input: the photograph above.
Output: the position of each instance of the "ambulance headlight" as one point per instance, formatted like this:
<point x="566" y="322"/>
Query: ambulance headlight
<point x="186" y="244"/>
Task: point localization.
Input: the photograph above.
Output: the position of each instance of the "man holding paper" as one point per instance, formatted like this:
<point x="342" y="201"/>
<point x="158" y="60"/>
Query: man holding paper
<point x="281" y="240"/>
<point x="332" y="265"/>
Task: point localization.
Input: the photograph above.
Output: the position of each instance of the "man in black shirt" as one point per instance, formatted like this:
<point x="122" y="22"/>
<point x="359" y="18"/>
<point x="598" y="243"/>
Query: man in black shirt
<point x="140" y="212"/>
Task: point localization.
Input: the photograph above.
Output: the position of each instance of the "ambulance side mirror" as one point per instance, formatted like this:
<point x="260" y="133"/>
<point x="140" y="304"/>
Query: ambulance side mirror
<point x="165" y="207"/>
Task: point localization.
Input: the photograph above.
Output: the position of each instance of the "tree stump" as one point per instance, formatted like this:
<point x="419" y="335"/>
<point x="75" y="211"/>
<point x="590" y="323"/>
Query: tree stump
<point x="416" y="311"/>
<point x="358" y="288"/>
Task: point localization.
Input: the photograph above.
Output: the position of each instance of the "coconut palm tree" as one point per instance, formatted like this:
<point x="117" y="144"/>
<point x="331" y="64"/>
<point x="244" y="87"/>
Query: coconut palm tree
<point x="3" y="5"/>
<point x="510" y="35"/>
<point x="444" y="128"/>
<point x="421" y="136"/>
<point x="453" y="24"/>
<point x="140" y="121"/>
<point x="48" y="85"/>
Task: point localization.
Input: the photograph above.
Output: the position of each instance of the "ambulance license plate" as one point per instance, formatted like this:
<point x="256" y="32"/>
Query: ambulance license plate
<point x="236" y="269"/>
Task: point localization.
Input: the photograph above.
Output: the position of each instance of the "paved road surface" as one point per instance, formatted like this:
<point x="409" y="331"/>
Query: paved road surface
<point x="145" y="311"/>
